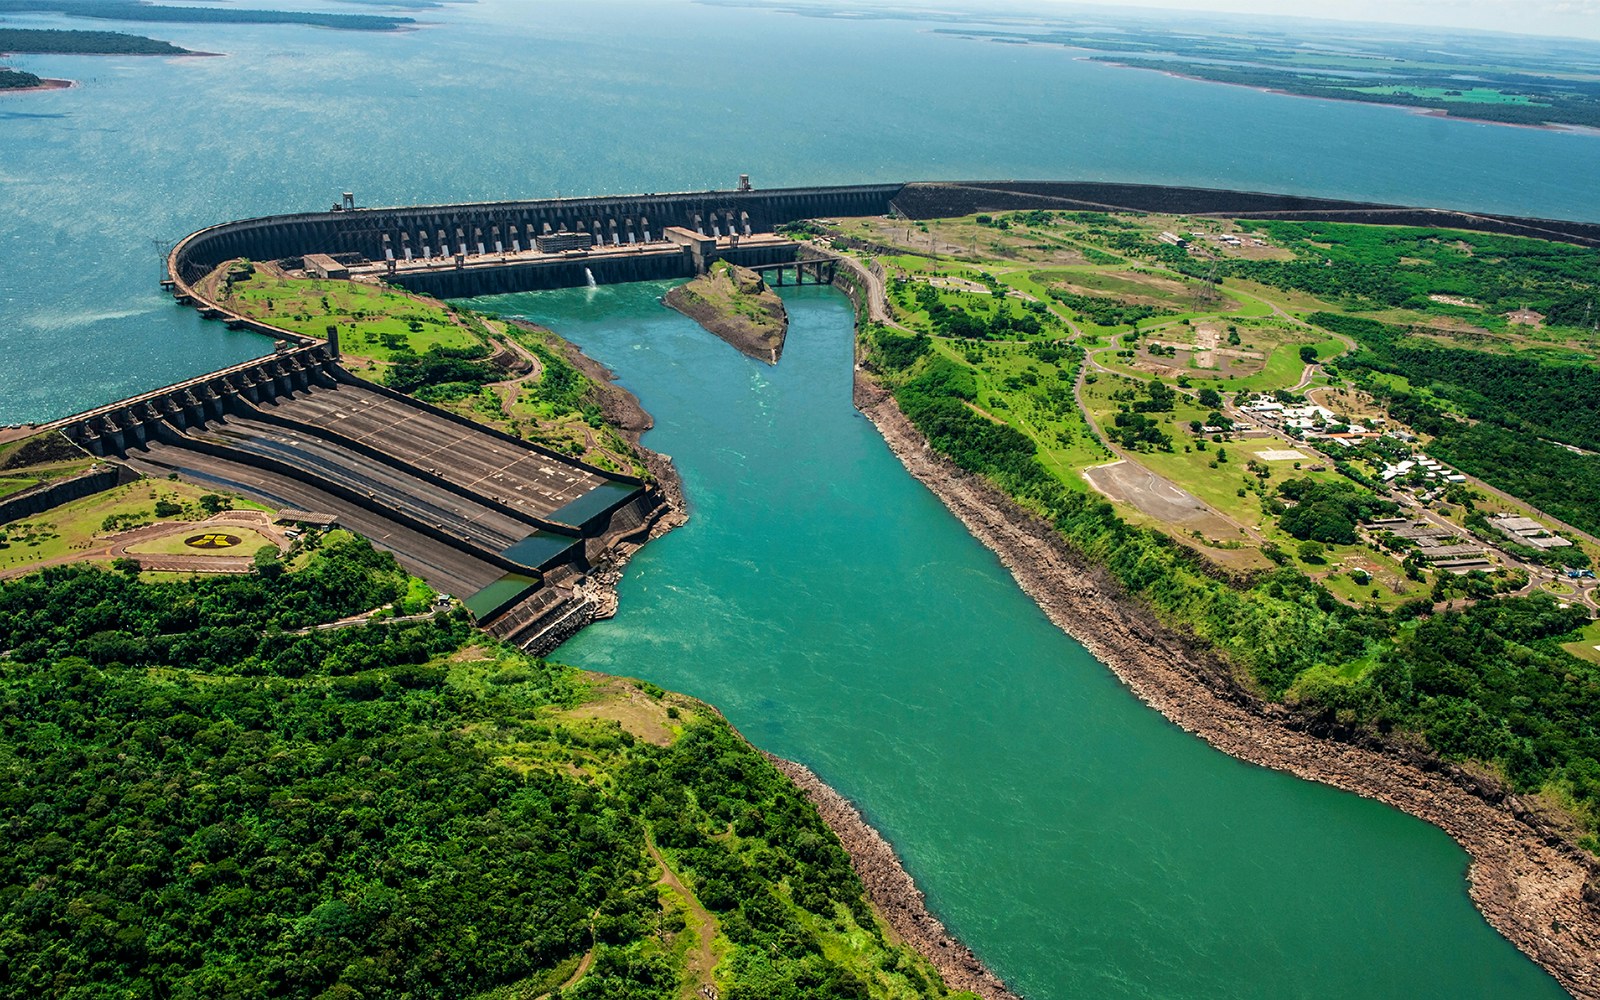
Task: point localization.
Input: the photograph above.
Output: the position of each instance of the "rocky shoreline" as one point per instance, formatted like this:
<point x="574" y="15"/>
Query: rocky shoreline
<point x="1527" y="877"/>
<point x="622" y="410"/>
<point x="592" y="595"/>
<point x="892" y="890"/>
<point x="757" y="328"/>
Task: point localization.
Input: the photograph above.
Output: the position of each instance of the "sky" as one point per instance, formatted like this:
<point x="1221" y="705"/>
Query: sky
<point x="1556" y="18"/>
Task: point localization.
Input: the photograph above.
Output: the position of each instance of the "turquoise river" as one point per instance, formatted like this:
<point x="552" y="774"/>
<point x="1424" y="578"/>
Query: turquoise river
<point x="825" y="601"/>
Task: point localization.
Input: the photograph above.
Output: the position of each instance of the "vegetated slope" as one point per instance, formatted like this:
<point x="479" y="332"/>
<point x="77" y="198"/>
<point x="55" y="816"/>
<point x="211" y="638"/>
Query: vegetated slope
<point x="199" y="802"/>
<point x="1489" y="684"/>
<point x="736" y="305"/>
<point x="58" y="42"/>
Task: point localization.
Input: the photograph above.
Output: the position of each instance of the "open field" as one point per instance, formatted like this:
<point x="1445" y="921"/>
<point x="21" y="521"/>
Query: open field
<point x="374" y="323"/>
<point x="1159" y="498"/>
<point x="203" y="541"/>
<point x="84" y="530"/>
<point x="1587" y="646"/>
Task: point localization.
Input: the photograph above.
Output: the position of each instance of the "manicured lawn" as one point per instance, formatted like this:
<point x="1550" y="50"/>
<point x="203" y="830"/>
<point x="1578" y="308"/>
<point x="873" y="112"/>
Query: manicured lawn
<point x="174" y="544"/>
<point x="1584" y="648"/>
<point x="79" y="526"/>
<point x="373" y="322"/>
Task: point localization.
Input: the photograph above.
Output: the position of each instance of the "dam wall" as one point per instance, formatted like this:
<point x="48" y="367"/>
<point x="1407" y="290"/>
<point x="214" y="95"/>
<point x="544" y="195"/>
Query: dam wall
<point x="109" y="431"/>
<point x="483" y="228"/>
<point x="456" y="250"/>
<point x="54" y="494"/>
<point x="495" y="278"/>
<point x="933" y="200"/>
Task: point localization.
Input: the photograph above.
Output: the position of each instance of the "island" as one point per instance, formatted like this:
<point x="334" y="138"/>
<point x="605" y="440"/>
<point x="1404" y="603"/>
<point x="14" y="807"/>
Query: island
<point x="138" y="10"/>
<point x="94" y="43"/>
<point x="734" y="303"/>
<point x="17" y="80"/>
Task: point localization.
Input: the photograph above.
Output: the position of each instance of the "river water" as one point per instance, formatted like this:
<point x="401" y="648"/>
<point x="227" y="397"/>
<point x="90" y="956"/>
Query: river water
<point x="1085" y="847"/>
<point x="820" y="596"/>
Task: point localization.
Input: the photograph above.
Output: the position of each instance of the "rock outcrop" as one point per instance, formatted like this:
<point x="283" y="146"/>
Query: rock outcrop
<point x="735" y="304"/>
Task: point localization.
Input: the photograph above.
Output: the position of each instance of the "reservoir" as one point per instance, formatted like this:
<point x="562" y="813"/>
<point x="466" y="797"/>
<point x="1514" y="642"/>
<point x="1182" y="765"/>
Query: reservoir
<point x="822" y="598"/>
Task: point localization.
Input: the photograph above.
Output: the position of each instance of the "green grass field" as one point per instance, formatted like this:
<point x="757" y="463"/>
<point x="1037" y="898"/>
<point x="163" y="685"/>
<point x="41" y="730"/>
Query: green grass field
<point x="1472" y="95"/>
<point x="174" y="544"/>
<point x="77" y="528"/>
<point x="10" y="485"/>
<point x="373" y="322"/>
<point x="1587" y="647"/>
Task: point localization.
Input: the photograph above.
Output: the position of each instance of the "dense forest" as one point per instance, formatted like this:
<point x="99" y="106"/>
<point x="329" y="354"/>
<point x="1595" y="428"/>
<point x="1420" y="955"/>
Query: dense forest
<point x="1106" y="311"/>
<point x="1490" y="684"/>
<point x="16" y="79"/>
<point x="1329" y="510"/>
<point x="1376" y="267"/>
<point x="202" y="801"/>
<point x="1575" y="104"/>
<point x="1556" y="399"/>
<point x="135" y="10"/>
<point x="83" y="43"/>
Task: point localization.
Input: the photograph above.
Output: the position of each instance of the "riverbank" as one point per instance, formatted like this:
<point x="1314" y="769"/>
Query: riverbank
<point x="889" y="886"/>
<point x="622" y="410"/>
<point x="892" y="890"/>
<point x="733" y="303"/>
<point x="1526" y="876"/>
<point x="610" y="554"/>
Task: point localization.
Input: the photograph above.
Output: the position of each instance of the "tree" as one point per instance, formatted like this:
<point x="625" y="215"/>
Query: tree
<point x="1310" y="552"/>
<point x="1308" y="354"/>
<point x="267" y="563"/>
<point x="1211" y="398"/>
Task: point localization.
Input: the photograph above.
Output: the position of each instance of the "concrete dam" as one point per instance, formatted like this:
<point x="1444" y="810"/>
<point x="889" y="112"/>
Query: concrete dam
<point x="510" y="527"/>
<point x="478" y="514"/>
<point x="452" y="251"/>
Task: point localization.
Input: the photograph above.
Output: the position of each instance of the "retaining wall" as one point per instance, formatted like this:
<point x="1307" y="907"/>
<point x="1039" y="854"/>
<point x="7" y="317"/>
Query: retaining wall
<point x="48" y="495"/>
